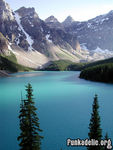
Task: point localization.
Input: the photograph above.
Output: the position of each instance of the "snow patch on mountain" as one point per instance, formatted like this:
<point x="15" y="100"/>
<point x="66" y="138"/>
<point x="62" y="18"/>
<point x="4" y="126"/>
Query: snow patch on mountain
<point x="47" y="38"/>
<point x="106" y="51"/>
<point x="9" y="47"/>
<point x="96" y="54"/>
<point x="104" y="19"/>
<point x="100" y="19"/>
<point x="42" y="29"/>
<point x="30" y="23"/>
<point x="83" y="46"/>
<point x="28" y="38"/>
<point x="89" y="25"/>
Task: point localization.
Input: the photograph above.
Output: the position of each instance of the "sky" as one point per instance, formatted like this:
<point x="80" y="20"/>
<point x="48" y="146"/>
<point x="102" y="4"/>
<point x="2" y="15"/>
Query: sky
<point x="79" y="10"/>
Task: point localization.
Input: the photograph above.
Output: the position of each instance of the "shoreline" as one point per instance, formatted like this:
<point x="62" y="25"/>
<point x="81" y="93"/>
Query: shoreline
<point x="4" y="73"/>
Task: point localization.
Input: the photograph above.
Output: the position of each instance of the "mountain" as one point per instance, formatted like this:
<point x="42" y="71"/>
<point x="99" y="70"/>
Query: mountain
<point x="94" y="34"/>
<point x="35" y="42"/>
<point x="32" y="27"/>
<point x="68" y="21"/>
<point x="8" y="25"/>
<point x="51" y="19"/>
<point x="41" y="36"/>
<point x="52" y="22"/>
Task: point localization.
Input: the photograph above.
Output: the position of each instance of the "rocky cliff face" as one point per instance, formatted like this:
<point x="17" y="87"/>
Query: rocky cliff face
<point x="68" y="21"/>
<point x="97" y="32"/>
<point x="8" y="25"/>
<point x="32" y="27"/>
<point x="41" y="34"/>
<point x="52" y="22"/>
<point x="3" y="45"/>
<point x="24" y="28"/>
<point x="52" y="40"/>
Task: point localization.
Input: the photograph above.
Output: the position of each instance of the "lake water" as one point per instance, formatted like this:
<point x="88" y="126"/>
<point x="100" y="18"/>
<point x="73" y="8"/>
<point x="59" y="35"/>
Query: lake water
<point x="64" y="105"/>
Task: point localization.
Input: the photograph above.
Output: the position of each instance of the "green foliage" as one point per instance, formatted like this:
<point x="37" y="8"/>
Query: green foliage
<point x="59" y="65"/>
<point x="101" y="73"/>
<point x="95" y="132"/>
<point x="106" y="138"/>
<point x="66" y="65"/>
<point x="63" y="65"/>
<point x="82" y="66"/>
<point x="76" y="66"/>
<point x="7" y="64"/>
<point x="29" y="123"/>
<point x="10" y="57"/>
<point x="100" y="62"/>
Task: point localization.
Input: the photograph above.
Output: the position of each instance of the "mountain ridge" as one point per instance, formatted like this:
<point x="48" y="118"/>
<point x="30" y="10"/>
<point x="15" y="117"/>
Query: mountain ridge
<point x="50" y="40"/>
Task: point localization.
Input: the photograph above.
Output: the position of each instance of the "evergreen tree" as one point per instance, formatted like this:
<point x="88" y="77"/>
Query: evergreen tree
<point x="106" y="138"/>
<point x="95" y="131"/>
<point x="29" y="123"/>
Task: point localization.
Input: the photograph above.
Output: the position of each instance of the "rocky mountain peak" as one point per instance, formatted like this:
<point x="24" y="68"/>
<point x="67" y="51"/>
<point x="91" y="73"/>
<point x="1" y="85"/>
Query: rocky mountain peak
<point x="110" y="12"/>
<point x="5" y="11"/>
<point x="102" y="18"/>
<point x="51" y="19"/>
<point x="68" y="21"/>
<point x="52" y="22"/>
<point x="26" y="12"/>
<point x="24" y="29"/>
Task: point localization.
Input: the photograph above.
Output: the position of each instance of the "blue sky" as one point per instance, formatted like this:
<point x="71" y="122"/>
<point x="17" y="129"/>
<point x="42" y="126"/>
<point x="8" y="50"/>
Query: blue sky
<point x="80" y="10"/>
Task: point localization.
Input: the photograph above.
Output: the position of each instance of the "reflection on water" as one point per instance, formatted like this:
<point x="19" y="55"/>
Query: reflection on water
<point x="28" y="75"/>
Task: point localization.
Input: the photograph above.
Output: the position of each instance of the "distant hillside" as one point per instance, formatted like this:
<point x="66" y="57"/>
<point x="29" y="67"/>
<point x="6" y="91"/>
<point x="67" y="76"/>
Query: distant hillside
<point x="81" y="66"/>
<point x="64" y="65"/>
<point x="60" y="65"/>
<point x="101" y="71"/>
<point x="110" y="60"/>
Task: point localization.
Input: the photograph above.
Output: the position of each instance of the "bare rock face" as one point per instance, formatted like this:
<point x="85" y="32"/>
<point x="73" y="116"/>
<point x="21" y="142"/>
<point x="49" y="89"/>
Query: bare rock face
<point x="68" y="21"/>
<point x="96" y="32"/>
<point x="51" y="19"/>
<point x="3" y="45"/>
<point x="43" y="34"/>
<point x="7" y="21"/>
<point x="78" y="47"/>
<point x="25" y="29"/>
<point x="52" y="22"/>
<point x="8" y="25"/>
<point x="33" y="27"/>
<point x="5" y="11"/>
<point x="27" y="12"/>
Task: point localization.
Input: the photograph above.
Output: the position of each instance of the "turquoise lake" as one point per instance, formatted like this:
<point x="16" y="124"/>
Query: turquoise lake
<point x="64" y="105"/>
